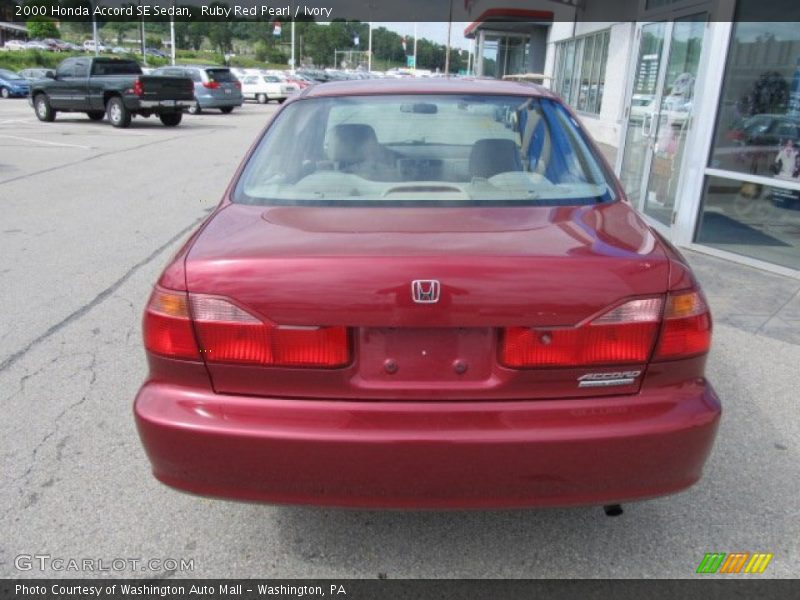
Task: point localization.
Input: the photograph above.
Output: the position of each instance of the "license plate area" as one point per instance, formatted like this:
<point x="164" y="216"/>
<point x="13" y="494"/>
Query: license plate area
<point x="426" y="354"/>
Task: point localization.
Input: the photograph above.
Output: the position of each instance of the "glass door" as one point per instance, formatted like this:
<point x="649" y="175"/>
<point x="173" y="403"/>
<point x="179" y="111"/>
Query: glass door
<point x="660" y="113"/>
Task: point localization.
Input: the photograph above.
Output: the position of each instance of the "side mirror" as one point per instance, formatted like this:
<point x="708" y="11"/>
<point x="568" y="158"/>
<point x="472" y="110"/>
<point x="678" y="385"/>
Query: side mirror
<point x="50" y="75"/>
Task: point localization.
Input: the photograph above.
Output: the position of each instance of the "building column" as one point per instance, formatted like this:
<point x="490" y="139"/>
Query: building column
<point x="479" y="53"/>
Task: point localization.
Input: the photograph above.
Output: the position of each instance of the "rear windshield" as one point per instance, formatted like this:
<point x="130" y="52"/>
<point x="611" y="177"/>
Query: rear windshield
<point x="424" y="150"/>
<point x="220" y="75"/>
<point x="116" y="68"/>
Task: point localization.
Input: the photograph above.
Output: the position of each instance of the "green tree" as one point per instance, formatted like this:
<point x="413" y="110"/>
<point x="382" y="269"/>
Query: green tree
<point x="42" y="28"/>
<point x="197" y="31"/>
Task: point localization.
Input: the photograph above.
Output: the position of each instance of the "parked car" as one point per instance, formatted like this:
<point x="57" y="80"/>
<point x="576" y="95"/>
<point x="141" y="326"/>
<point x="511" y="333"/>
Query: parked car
<point x="402" y="303"/>
<point x="12" y="85"/>
<point x="89" y="46"/>
<point x="263" y="88"/>
<point x="37" y="45"/>
<point x="58" y="45"/>
<point x="14" y="45"/>
<point x="37" y="73"/>
<point x="214" y="87"/>
<point x="110" y="87"/>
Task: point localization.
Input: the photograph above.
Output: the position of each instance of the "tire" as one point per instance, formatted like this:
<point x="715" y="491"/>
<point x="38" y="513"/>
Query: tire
<point x="96" y="115"/>
<point x="171" y="119"/>
<point x="5" y="93"/>
<point x="195" y="109"/>
<point x="226" y="110"/>
<point x="44" y="112"/>
<point x="118" y="115"/>
<point x="262" y="99"/>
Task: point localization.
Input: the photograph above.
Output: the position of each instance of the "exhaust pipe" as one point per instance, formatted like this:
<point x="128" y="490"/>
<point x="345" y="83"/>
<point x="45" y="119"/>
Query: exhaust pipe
<point x="612" y="510"/>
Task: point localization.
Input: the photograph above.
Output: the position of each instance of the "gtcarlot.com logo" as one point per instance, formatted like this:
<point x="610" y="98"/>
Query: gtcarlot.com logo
<point x="47" y="562"/>
<point x="734" y="563"/>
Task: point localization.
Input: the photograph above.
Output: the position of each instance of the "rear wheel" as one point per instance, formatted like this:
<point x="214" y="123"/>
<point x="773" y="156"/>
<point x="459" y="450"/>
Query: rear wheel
<point x="118" y="115"/>
<point x="96" y="115"/>
<point x="262" y="98"/>
<point x="44" y="112"/>
<point x="5" y="93"/>
<point x="226" y="110"/>
<point x="171" y="119"/>
<point x="195" y="109"/>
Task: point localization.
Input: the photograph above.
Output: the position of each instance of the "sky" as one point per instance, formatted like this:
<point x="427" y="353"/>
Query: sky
<point x="436" y="32"/>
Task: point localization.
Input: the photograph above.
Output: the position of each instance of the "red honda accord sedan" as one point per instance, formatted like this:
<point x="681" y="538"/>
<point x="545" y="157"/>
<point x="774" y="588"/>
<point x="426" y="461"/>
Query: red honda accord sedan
<point x="427" y="294"/>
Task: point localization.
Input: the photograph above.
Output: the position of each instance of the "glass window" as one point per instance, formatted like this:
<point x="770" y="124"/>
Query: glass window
<point x="426" y="150"/>
<point x="66" y="69"/>
<point x="580" y="71"/>
<point x="81" y="69"/>
<point x="755" y="208"/>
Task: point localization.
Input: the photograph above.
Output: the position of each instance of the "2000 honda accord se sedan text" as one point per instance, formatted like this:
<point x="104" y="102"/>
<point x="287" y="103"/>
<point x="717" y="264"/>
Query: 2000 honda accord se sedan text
<point x="427" y="294"/>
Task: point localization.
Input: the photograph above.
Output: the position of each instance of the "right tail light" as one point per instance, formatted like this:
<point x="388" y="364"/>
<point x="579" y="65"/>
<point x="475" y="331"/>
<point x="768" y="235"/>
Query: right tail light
<point x="686" y="327"/>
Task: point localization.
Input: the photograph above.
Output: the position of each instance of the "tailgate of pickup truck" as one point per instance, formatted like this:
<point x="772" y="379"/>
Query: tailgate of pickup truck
<point x="166" y="88"/>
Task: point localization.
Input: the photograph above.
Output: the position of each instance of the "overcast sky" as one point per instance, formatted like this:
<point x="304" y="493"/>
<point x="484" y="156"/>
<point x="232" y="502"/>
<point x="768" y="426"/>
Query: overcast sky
<point x="436" y="32"/>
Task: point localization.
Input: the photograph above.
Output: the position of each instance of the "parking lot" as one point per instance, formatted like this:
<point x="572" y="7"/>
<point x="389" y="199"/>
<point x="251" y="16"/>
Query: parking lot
<point x="90" y="214"/>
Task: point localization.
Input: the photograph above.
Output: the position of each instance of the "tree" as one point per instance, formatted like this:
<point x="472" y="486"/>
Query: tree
<point x="197" y="31"/>
<point x="220" y="36"/>
<point x="42" y="28"/>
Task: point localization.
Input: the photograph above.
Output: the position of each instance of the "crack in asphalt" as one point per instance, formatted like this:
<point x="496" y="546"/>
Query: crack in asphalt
<point x="103" y="154"/>
<point x="106" y="293"/>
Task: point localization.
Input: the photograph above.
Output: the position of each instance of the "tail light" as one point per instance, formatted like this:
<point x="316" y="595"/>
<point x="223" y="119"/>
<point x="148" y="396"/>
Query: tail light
<point x="138" y="89"/>
<point x="168" y="327"/>
<point x="624" y="334"/>
<point x="687" y="327"/>
<point x="238" y="84"/>
<point x="228" y="334"/>
<point x="211" y="85"/>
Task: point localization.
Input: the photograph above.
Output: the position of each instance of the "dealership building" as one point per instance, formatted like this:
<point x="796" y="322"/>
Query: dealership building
<point x="696" y="104"/>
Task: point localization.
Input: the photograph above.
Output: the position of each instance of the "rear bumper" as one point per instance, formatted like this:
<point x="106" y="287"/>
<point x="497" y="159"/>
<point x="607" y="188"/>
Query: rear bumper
<point x="219" y="102"/>
<point x="165" y="105"/>
<point x="428" y="455"/>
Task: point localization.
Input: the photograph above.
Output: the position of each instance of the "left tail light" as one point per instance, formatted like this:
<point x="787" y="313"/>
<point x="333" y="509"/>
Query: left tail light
<point x="138" y="88"/>
<point x="168" y="327"/>
<point x="229" y="334"/>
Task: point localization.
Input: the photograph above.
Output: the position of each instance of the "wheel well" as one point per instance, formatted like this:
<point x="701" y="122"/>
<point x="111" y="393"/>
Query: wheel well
<point x="107" y="96"/>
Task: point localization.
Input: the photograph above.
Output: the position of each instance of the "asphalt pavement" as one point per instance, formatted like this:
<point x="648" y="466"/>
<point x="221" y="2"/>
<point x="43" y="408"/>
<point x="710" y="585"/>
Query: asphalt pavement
<point x="88" y="217"/>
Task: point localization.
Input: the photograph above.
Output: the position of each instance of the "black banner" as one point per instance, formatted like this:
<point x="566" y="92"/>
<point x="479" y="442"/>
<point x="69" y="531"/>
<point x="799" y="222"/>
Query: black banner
<point x="745" y="587"/>
<point x="378" y="11"/>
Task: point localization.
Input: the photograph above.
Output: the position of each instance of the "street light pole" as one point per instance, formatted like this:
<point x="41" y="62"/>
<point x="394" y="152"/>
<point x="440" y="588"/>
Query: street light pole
<point x="369" y="49"/>
<point x="294" y="64"/>
<point x="141" y="38"/>
<point x="449" y="31"/>
<point x="94" y="35"/>
<point x="415" y="45"/>
<point x="172" y="34"/>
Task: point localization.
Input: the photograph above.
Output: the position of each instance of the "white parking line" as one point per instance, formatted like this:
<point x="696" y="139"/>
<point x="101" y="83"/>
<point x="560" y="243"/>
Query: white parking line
<point x="24" y="139"/>
<point x="17" y="121"/>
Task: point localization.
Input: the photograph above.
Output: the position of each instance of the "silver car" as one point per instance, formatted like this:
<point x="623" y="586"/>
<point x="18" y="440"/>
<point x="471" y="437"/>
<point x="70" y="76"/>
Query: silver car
<point x="214" y="87"/>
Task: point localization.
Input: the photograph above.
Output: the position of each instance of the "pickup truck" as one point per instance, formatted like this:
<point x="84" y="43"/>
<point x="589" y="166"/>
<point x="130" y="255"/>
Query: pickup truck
<point x="110" y="87"/>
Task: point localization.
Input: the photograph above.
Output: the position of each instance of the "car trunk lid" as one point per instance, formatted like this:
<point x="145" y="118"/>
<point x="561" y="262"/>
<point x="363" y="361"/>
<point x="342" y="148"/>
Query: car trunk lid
<point x="496" y="268"/>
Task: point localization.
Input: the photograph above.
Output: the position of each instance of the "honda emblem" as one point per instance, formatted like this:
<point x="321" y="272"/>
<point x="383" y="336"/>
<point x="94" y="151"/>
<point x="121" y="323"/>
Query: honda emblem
<point x="425" y="291"/>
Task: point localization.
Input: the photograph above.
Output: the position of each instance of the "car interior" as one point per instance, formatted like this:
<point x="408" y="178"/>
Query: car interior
<point x="526" y="154"/>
